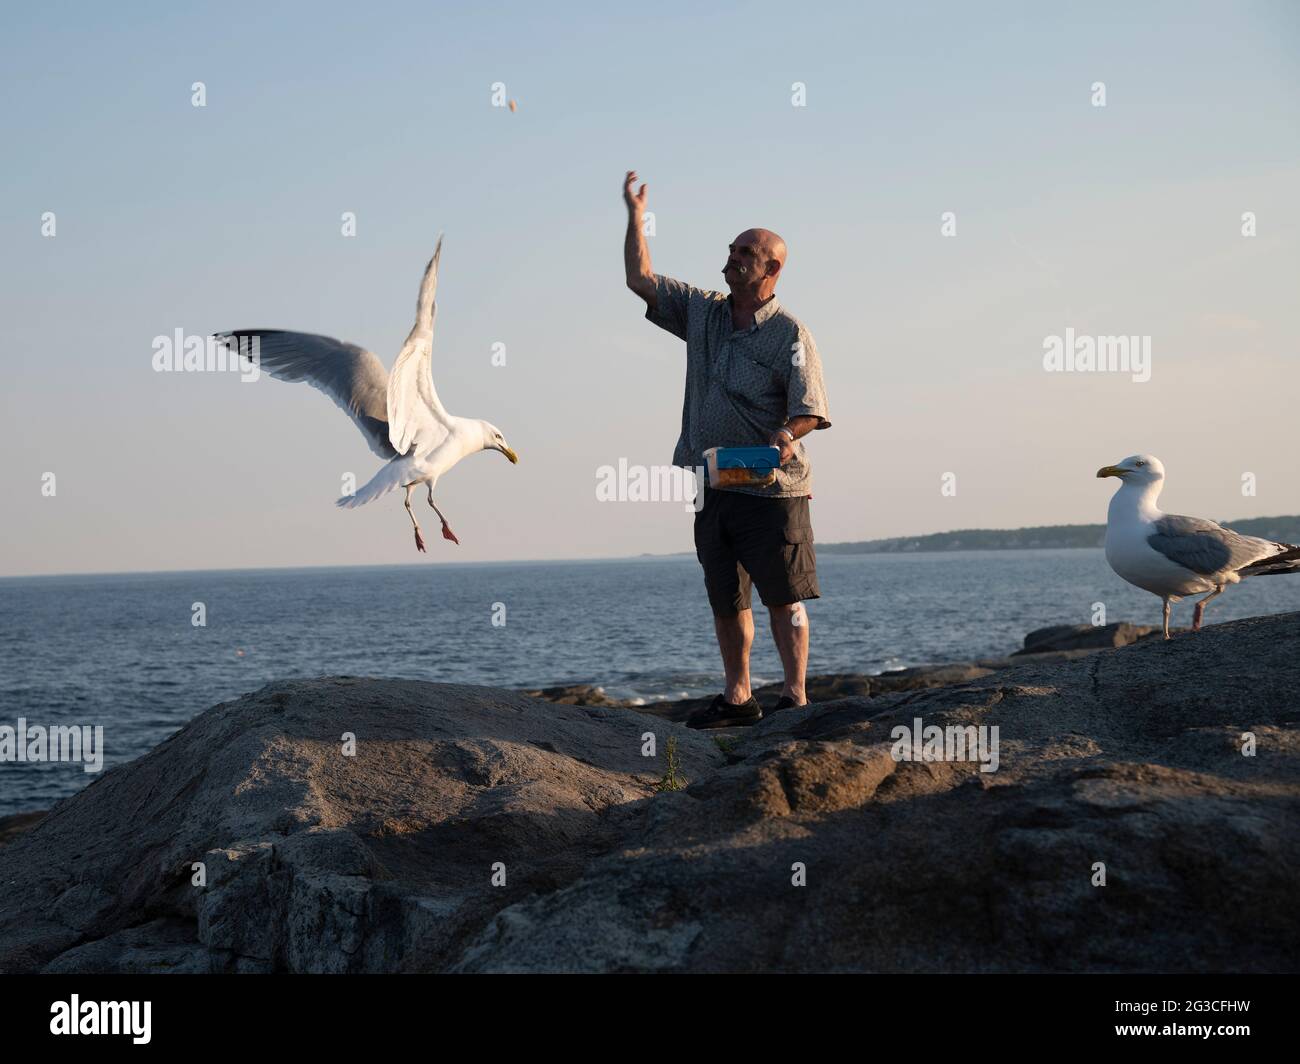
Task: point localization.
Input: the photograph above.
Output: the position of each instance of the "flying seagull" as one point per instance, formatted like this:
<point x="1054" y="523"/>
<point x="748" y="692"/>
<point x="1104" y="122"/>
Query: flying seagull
<point x="1173" y="556"/>
<point x="399" y="414"/>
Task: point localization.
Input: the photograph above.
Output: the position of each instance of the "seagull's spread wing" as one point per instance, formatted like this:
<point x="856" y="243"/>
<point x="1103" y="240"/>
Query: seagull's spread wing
<point x="1205" y="547"/>
<point x="350" y="375"/>
<point x="417" y="421"/>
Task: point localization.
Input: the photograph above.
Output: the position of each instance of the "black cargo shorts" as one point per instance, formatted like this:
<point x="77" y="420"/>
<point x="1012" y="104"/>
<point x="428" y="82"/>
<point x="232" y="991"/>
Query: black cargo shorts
<point x="760" y="539"/>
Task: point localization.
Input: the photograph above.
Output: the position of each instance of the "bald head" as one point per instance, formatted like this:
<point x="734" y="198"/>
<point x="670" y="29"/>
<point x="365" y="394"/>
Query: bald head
<point x="770" y="246"/>
<point x="754" y="262"/>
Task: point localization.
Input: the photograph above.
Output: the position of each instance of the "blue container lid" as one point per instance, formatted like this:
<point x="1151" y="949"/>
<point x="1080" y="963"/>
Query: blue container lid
<point x="748" y="458"/>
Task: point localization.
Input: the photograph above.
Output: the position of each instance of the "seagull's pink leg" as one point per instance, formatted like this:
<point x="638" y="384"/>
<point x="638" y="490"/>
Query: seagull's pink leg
<point x="419" y="539"/>
<point x="1199" y="612"/>
<point x="447" y="533"/>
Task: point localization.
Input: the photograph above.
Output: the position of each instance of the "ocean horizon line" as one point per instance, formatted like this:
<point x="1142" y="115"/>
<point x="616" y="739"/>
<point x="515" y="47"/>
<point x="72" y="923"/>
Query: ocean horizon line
<point x="383" y="566"/>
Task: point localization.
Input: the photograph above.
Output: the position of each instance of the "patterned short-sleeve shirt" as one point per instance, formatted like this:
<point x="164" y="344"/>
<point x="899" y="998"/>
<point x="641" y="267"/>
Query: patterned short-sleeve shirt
<point x="742" y="385"/>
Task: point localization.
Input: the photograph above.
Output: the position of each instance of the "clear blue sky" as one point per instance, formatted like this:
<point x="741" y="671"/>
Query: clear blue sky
<point x="1117" y="220"/>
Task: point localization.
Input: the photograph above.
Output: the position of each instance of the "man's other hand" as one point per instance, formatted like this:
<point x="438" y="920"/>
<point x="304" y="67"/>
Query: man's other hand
<point x="781" y="440"/>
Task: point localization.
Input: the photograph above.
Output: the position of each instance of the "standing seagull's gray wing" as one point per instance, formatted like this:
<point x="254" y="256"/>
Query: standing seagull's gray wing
<point x="353" y="377"/>
<point x="1208" y="548"/>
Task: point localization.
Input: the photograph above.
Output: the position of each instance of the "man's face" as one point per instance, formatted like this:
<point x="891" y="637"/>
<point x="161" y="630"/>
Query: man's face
<point x="746" y="264"/>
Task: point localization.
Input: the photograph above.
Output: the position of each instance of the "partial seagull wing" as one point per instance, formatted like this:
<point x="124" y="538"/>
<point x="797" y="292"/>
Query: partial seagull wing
<point x="417" y="420"/>
<point x="1208" y="548"/>
<point x="1286" y="560"/>
<point x="350" y="375"/>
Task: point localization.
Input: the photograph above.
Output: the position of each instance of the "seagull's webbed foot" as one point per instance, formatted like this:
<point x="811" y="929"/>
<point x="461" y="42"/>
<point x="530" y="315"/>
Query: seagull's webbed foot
<point x="447" y="533"/>
<point x="419" y="542"/>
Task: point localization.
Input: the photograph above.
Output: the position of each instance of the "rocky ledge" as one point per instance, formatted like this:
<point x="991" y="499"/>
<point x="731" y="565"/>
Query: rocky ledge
<point x="1061" y="642"/>
<point x="1144" y="815"/>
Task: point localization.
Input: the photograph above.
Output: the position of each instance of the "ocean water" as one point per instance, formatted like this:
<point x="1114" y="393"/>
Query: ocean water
<point x="122" y="651"/>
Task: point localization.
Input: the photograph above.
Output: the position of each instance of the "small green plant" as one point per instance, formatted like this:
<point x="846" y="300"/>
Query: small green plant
<point x="726" y="743"/>
<point x="670" y="781"/>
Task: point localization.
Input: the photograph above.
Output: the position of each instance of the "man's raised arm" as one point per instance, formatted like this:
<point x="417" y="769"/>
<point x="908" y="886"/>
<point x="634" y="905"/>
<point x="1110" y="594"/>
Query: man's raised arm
<point x="636" y="252"/>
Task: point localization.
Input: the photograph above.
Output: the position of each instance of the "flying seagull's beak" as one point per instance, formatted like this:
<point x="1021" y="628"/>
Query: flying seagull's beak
<point x="1111" y="471"/>
<point x="514" y="458"/>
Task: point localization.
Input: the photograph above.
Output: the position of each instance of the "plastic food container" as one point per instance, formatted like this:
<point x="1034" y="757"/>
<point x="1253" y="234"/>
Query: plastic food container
<point x="749" y="467"/>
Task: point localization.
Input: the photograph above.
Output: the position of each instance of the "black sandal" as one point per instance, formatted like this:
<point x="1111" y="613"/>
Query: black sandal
<point x="723" y="714"/>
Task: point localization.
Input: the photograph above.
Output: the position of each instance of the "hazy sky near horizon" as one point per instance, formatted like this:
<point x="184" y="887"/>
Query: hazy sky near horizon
<point x="1117" y="220"/>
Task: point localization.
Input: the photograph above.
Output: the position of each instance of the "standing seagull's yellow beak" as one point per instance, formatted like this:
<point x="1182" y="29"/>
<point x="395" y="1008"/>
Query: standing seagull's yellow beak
<point x="1111" y="471"/>
<point x="514" y="458"/>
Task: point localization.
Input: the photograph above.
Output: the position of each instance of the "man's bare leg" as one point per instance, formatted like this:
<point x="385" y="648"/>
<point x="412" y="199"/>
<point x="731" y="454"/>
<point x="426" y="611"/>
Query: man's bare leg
<point x="735" y="637"/>
<point x="790" y="632"/>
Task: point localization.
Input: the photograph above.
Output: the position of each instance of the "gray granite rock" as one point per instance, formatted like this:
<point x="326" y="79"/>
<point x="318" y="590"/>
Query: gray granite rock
<point x="316" y="861"/>
<point x="383" y="861"/>
<point x="1084" y="637"/>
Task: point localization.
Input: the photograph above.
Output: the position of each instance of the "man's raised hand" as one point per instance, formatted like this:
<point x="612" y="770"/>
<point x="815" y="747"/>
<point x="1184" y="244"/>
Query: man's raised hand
<point x="635" y="200"/>
<point x="636" y="253"/>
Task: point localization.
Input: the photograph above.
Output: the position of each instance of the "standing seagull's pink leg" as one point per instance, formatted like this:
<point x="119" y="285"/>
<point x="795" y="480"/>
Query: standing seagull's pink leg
<point x="1199" y="612"/>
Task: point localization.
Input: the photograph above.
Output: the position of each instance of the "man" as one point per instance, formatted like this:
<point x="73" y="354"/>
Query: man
<point x="753" y="377"/>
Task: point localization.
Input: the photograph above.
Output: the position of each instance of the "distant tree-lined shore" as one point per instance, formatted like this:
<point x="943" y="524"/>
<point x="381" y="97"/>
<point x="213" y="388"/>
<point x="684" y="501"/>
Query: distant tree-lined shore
<point x="1040" y="537"/>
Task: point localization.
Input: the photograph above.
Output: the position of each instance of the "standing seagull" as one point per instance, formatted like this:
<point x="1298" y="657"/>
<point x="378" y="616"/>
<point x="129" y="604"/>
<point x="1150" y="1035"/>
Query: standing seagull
<point x="1173" y="556"/>
<point x="399" y="414"/>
